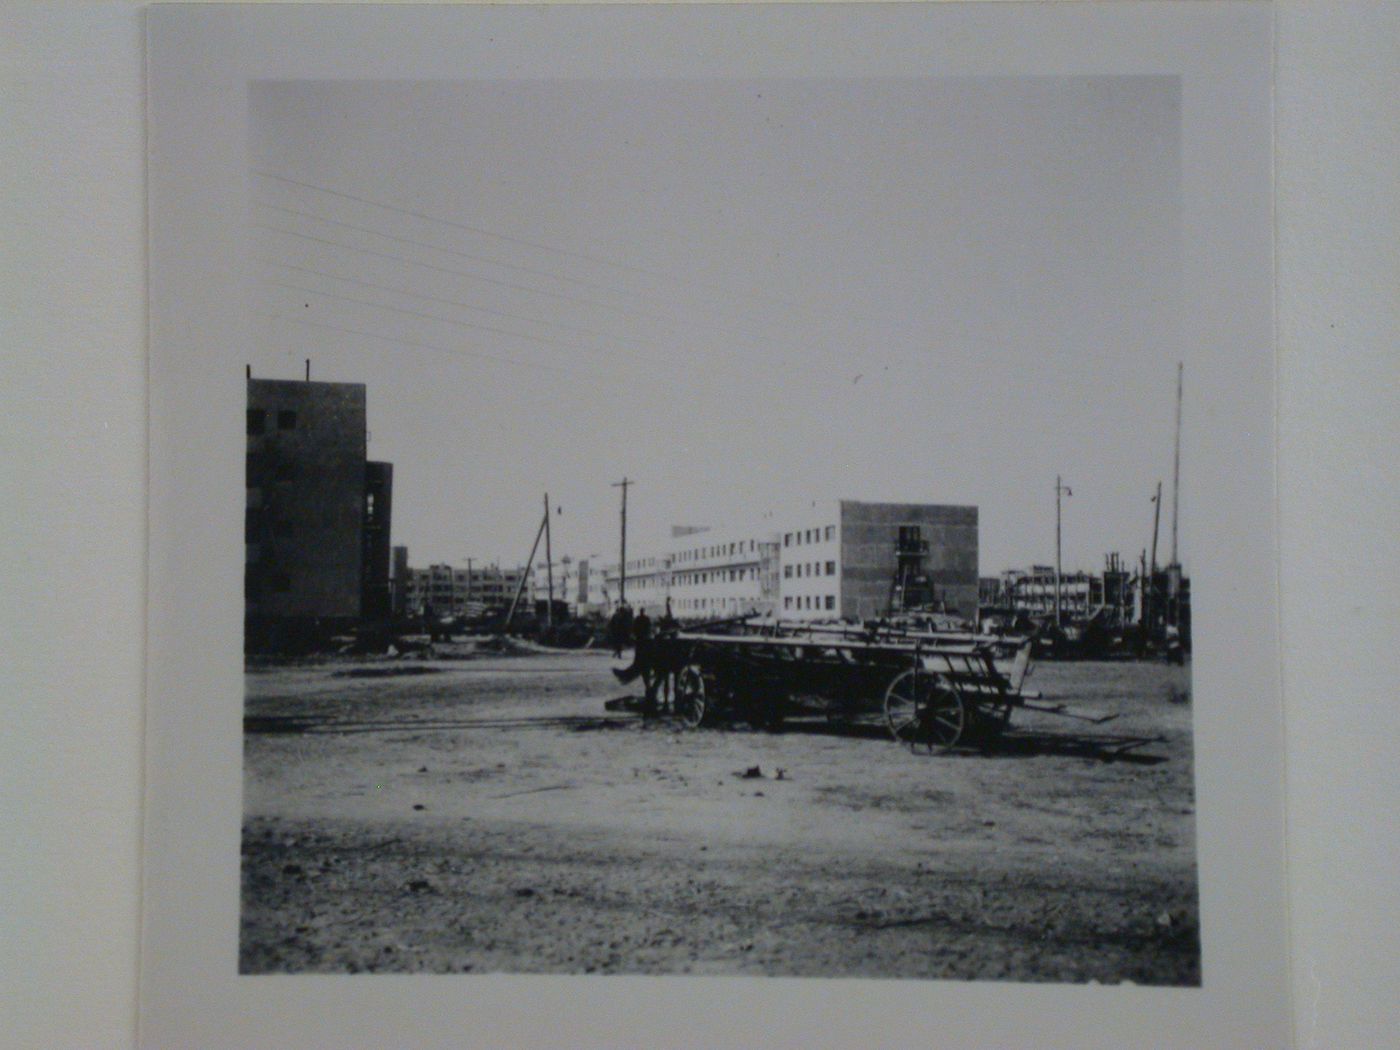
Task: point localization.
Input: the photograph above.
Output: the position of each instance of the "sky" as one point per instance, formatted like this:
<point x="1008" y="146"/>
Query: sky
<point x="744" y="295"/>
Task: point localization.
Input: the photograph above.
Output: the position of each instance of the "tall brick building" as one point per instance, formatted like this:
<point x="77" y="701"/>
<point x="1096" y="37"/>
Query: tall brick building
<point x="316" y="529"/>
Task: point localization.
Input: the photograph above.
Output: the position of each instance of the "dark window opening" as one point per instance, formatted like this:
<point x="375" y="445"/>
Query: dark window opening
<point x="287" y="419"/>
<point x="257" y="421"/>
<point x="280" y="581"/>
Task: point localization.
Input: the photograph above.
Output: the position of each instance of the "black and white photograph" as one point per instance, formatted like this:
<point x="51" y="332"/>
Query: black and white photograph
<point x="721" y="528"/>
<point x="726" y="517"/>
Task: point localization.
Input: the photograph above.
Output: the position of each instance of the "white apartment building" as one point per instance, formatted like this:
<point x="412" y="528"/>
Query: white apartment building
<point x="833" y="559"/>
<point x="717" y="573"/>
<point x="810" y="560"/>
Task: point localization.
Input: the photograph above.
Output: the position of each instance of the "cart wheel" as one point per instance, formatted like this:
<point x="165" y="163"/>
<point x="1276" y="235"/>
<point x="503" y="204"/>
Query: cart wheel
<point x="691" y="701"/>
<point x="921" y="709"/>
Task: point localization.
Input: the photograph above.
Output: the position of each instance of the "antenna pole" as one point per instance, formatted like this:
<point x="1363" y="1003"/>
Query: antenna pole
<point x="1176" y="462"/>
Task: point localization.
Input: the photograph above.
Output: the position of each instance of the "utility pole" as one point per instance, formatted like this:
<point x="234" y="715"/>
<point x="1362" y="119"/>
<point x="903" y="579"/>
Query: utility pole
<point x="1176" y="462"/>
<point x="548" y="566"/>
<point x="1156" y="520"/>
<point x="1142" y="591"/>
<point x="1059" y="488"/>
<point x="622" y="566"/>
<point x="525" y="575"/>
<point x="1152" y="565"/>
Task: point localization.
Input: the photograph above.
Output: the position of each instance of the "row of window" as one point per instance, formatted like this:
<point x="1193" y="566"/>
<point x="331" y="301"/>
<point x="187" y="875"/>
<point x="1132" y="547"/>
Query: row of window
<point x="685" y="605"/>
<point x="810" y="568"/>
<point x="809" y="601"/>
<point x="257" y="420"/>
<point x="801" y="536"/>
<point x="691" y="579"/>
<point x="717" y="550"/>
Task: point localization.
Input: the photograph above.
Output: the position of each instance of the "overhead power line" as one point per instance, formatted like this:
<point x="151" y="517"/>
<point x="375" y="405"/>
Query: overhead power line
<point x="670" y="322"/>
<point x="457" y="351"/>
<point x="539" y="245"/>
<point x="446" y="320"/>
<point x="605" y="336"/>
<point x="490" y="260"/>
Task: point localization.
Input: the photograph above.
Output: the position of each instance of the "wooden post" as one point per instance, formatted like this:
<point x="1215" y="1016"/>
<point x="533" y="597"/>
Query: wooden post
<point x="1176" y="462"/>
<point x="548" y="565"/>
<point x="1057" y="549"/>
<point x="622" y="566"/>
<point x="523" y="577"/>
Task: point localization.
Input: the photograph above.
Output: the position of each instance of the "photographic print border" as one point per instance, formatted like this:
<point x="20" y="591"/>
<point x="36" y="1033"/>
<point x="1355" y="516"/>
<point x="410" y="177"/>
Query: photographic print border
<point x="200" y="61"/>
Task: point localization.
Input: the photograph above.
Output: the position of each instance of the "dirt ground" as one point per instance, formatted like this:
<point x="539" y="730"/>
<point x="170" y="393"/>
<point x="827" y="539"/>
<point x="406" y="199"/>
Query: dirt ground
<point x="489" y="815"/>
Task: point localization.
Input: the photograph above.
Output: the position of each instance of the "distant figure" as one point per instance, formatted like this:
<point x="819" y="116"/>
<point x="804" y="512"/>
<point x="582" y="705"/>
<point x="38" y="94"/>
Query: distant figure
<point x="668" y="622"/>
<point x="620" y="629"/>
<point x="641" y="641"/>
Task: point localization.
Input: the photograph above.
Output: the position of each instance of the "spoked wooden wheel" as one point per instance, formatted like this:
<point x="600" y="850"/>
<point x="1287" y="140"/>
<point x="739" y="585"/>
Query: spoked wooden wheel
<point x="921" y="709"/>
<point x="692" y="701"/>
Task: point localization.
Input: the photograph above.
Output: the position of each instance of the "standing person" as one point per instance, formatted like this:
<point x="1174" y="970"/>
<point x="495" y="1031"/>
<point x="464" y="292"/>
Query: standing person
<point x="641" y="641"/>
<point x="641" y="630"/>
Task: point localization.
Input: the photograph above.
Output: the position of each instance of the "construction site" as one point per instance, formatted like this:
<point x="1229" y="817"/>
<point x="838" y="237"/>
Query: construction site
<point x="822" y="747"/>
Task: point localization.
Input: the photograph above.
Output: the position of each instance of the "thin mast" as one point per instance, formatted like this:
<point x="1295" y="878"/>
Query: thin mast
<point x="1176" y="462"/>
<point x="548" y="565"/>
<point x="622" y="566"/>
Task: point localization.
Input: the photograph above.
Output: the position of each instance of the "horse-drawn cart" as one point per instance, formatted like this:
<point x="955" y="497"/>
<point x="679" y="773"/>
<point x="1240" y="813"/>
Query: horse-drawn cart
<point x="930" y="692"/>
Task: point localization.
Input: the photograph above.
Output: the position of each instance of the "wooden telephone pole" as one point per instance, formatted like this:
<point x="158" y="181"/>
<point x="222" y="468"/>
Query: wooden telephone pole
<point x="1059" y="488"/>
<point x="548" y="566"/>
<point x="622" y="566"/>
<point x="525" y="575"/>
<point x="1176" y="462"/>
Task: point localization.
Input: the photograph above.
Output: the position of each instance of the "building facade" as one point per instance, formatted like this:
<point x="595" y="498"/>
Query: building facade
<point x="450" y="590"/>
<point x="852" y="560"/>
<point x="712" y="574"/>
<point x="376" y="565"/>
<point x="837" y="559"/>
<point x="318" y="514"/>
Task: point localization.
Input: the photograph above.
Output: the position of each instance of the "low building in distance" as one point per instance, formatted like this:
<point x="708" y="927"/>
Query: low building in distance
<point x="452" y="590"/>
